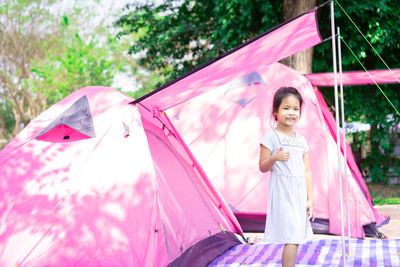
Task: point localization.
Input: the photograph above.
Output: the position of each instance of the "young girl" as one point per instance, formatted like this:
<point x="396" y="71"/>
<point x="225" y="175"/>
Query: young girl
<point x="290" y="194"/>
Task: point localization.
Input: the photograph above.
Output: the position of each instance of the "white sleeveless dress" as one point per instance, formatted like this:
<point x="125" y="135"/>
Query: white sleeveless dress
<point x="287" y="219"/>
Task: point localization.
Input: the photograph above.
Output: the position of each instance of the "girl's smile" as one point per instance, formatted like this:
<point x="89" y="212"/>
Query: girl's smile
<point x="288" y="112"/>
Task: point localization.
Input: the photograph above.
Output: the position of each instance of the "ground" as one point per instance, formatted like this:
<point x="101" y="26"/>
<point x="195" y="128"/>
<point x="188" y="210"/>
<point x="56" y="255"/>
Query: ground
<point x="387" y="202"/>
<point x="390" y="230"/>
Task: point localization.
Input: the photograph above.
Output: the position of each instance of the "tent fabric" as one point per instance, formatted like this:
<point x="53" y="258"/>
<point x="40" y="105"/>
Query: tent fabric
<point x="225" y="136"/>
<point x="355" y="77"/>
<point x="351" y="162"/>
<point x="281" y="42"/>
<point x="254" y="222"/>
<point x="128" y="196"/>
<point x="184" y="151"/>
<point x="207" y="250"/>
<point x="73" y="124"/>
<point x="173" y="160"/>
<point x="353" y="171"/>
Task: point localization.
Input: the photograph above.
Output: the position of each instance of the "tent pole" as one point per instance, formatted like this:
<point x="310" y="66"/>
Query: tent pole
<point x="337" y="127"/>
<point x="344" y="137"/>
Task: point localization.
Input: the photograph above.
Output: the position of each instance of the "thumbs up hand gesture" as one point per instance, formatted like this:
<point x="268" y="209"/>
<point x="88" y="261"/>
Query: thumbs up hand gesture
<point x="281" y="155"/>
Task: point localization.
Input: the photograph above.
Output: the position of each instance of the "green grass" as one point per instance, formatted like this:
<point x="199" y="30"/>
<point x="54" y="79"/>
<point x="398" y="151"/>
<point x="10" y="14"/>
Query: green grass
<point x="386" y="201"/>
<point x="385" y="194"/>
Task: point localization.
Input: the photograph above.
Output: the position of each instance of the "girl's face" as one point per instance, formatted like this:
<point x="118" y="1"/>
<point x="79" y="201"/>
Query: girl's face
<point x="289" y="111"/>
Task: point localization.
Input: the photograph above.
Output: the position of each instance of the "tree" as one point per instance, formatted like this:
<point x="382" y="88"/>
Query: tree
<point x="301" y="61"/>
<point x="44" y="56"/>
<point x="76" y="63"/>
<point x="24" y="38"/>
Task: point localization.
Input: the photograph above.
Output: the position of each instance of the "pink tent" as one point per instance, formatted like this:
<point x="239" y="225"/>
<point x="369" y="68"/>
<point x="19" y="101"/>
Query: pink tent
<point x="356" y="77"/>
<point x="224" y="127"/>
<point x="94" y="182"/>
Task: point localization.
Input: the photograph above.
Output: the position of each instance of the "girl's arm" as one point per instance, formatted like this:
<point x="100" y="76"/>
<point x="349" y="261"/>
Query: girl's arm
<point x="310" y="191"/>
<point x="267" y="160"/>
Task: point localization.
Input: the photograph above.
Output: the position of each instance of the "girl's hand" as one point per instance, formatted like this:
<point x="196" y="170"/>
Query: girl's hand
<point x="281" y="155"/>
<point x="310" y="210"/>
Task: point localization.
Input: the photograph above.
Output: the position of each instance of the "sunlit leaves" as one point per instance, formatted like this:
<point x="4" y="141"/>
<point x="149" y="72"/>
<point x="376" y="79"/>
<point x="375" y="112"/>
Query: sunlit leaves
<point x="46" y="53"/>
<point x="81" y="63"/>
<point x="178" y="36"/>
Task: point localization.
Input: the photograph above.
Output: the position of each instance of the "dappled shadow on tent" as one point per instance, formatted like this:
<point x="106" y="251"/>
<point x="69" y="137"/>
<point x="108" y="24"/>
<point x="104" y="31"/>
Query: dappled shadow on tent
<point x="132" y="195"/>
<point x="77" y="203"/>
<point x="225" y="137"/>
<point x="74" y="225"/>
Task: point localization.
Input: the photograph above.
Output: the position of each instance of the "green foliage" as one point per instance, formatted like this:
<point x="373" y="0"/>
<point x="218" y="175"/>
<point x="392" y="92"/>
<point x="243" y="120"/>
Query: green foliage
<point x="76" y="65"/>
<point x="46" y="55"/>
<point x="6" y="114"/>
<point x="366" y="103"/>
<point x="380" y="200"/>
<point x="177" y="36"/>
<point x="387" y="201"/>
<point x="25" y="35"/>
<point x="379" y="22"/>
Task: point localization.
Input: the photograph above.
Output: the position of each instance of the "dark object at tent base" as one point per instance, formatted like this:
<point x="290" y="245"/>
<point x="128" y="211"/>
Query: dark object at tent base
<point x="206" y="251"/>
<point x="255" y="223"/>
<point x="251" y="222"/>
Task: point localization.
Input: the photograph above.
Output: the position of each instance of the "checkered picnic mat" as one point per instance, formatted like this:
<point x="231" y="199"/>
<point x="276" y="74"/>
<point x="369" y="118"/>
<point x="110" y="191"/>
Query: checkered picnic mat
<point x="326" y="252"/>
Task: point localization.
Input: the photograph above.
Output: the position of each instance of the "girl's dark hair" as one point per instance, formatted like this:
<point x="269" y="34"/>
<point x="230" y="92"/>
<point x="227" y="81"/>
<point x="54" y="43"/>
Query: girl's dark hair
<point x="281" y="94"/>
